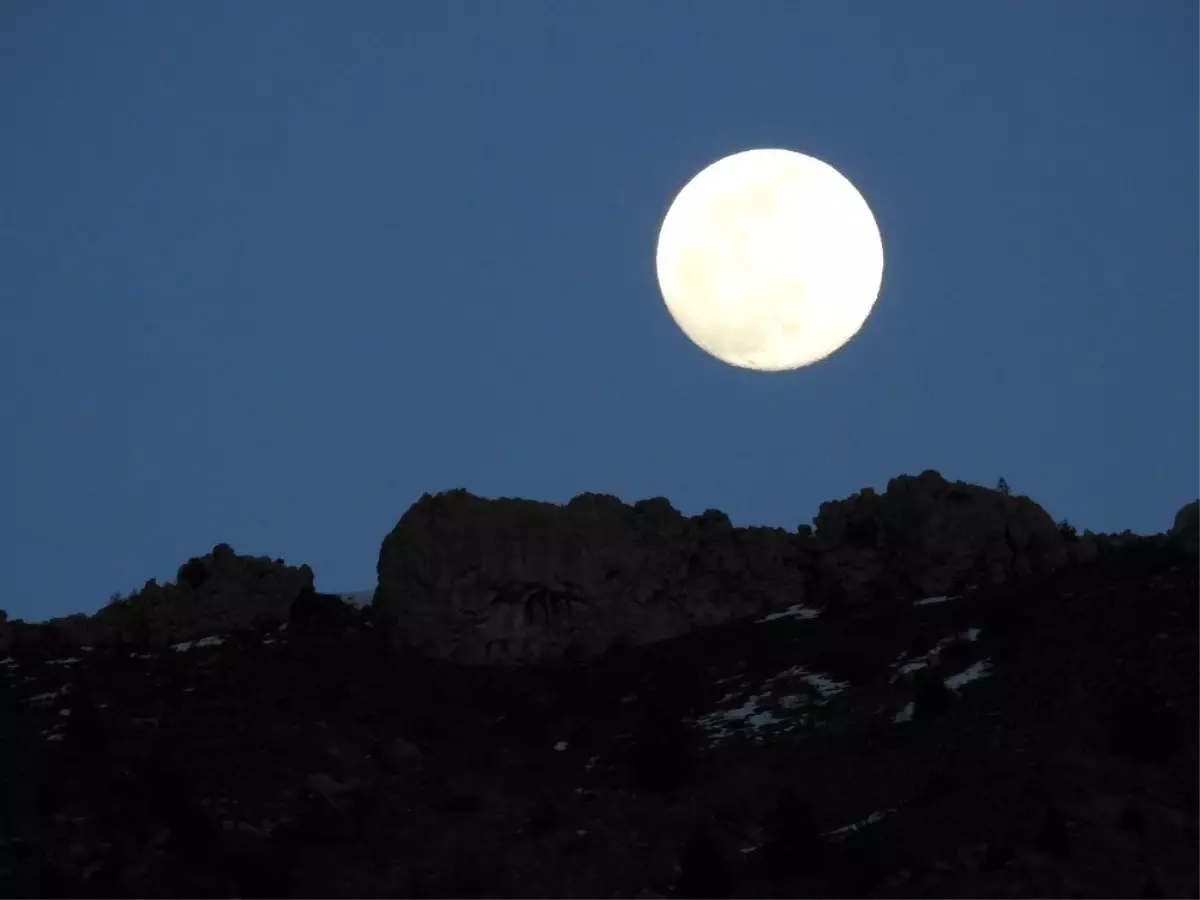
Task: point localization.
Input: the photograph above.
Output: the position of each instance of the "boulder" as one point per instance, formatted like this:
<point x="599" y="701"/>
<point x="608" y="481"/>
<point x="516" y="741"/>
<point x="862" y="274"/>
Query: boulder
<point x="926" y="536"/>
<point x="504" y="581"/>
<point x="1186" y="528"/>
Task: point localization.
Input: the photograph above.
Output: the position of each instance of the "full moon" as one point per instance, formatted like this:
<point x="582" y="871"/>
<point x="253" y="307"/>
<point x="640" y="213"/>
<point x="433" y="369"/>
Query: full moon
<point x="769" y="260"/>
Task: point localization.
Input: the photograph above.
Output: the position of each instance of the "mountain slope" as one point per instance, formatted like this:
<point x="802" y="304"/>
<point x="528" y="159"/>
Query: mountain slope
<point x="1048" y="748"/>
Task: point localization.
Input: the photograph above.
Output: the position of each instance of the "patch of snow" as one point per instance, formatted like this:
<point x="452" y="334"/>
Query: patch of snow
<point x="825" y="685"/>
<point x="69" y="661"/>
<point x="754" y="713"/>
<point x="906" y="714"/>
<point x="359" y="598"/>
<point x="44" y="699"/>
<point x="796" y="611"/>
<point x="560" y="746"/>
<point x="907" y="668"/>
<point x="973" y="672"/>
<point x="748" y="714"/>
<point x="8" y="661"/>
<point x="213" y="640"/>
<point x="860" y="824"/>
<point x="931" y="600"/>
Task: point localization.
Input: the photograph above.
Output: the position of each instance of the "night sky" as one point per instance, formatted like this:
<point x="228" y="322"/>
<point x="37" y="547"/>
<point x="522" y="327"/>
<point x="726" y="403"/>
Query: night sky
<point x="273" y="270"/>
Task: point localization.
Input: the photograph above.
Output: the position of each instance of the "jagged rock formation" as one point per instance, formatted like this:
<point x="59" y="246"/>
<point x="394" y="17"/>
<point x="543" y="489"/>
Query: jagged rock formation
<point x="218" y="592"/>
<point x="471" y="580"/>
<point x="475" y="580"/>
<point x="511" y="581"/>
<point x="1186" y="528"/>
<point x="1031" y="740"/>
<point x="926" y="536"/>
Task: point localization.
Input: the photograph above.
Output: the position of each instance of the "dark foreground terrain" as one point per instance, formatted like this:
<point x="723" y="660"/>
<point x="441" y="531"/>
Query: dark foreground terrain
<point x="1048" y="749"/>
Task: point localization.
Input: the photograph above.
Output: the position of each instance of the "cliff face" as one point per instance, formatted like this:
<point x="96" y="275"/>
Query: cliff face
<point x="516" y="581"/>
<point x="476" y="580"/>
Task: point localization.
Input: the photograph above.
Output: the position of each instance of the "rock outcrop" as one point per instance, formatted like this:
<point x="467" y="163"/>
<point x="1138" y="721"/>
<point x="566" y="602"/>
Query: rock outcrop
<point x="220" y="591"/>
<point x="216" y="593"/>
<point x="1186" y="528"/>
<point x="926" y="536"/>
<point x="511" y="581"/>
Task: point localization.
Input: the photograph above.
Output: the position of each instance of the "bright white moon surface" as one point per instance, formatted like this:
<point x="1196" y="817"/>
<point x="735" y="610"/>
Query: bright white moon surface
<point x="769" y="260"/>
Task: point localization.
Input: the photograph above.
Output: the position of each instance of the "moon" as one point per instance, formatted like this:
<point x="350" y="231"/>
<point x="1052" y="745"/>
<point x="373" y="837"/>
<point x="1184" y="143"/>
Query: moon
<point x="769" y="260"/>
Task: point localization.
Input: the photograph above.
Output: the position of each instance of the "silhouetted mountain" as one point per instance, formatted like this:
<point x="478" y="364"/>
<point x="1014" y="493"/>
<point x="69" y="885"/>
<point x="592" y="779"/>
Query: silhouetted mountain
<point x="936" y="694"/>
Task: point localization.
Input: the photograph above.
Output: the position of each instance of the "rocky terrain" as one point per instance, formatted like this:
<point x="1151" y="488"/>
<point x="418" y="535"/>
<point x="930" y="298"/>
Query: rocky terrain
<point x="937" y="691"/>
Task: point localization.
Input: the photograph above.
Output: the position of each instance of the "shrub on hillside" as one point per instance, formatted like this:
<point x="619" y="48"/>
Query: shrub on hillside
<point x="703" y="870"/>
<point x="542" y="819"/>
<point x="663" y="756"/>
<point x="870" y="854"/>
<point x="931" y="697"/>
<point x="469" y="877"/>
<point x="1142" y="553"/>
<point x="192" y="573"/>
<point x="863" y="532"/>
<point x="1143" y="726"/>
<point x="793" y="842"/>
<point x="1054" y="834"/>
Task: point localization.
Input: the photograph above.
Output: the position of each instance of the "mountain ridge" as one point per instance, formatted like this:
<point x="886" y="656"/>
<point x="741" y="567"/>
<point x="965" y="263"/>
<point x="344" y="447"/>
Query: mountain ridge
<point x="937" y="693"/>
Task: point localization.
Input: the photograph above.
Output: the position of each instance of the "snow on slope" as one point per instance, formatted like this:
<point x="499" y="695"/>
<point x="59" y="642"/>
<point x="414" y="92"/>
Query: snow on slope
<point x="358" y="598"/>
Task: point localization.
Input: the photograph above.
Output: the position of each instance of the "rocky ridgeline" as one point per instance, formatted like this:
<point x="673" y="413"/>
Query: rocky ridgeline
<point x="212" y="594"/>
<point x="925" y="536"/>
<point x="512" y="581"/>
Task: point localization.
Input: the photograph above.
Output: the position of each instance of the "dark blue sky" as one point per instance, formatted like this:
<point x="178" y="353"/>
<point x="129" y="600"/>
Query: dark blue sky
<point x="273" y="270"/>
